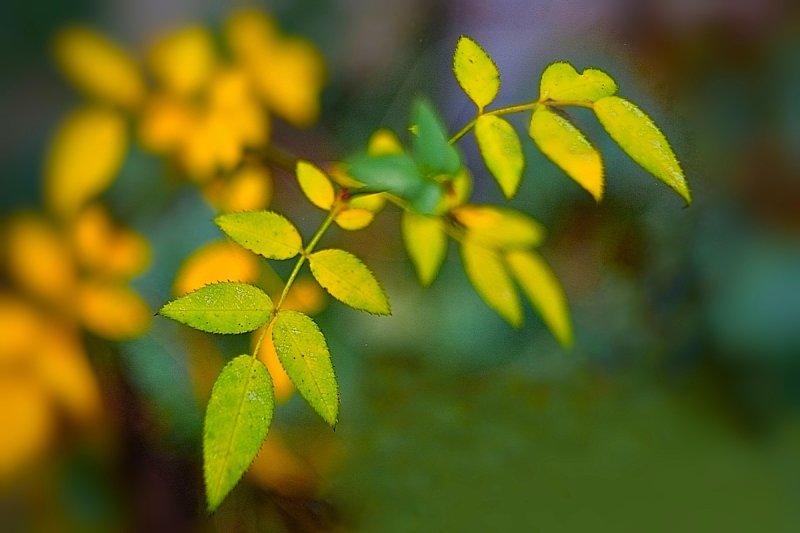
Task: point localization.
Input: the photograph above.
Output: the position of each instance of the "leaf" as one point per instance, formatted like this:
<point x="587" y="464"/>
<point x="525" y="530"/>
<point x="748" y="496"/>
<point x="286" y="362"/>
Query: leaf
<point x="346" y="278"/>
<point x="304" y="355"/>
<point x="222" y="308"/>
<point x="544" y="291"/>
<point x="499" y="227"/>
<point x="384" y="142"/>
<point x="112" y="311"/>
<point x="432" y="149"/>
<point x="397" y="174"/>
<point x="184" y="60"/>
<point x="501" y="150"/>
<point x="567" y="147"/>
<point x="354" y="219"/>
<point x="238" y="417"/>
<point x="486" y="272"/>
<point x="214" y="262"/>
<point x="561" y="82"/>
<point x="426" y="243"/>
<point x="264" y="232"/>
<point x="315" y="185"/>
<point x="84" y="157"/>
<point x="475" y="72"/>
<point x="637" y="134"/>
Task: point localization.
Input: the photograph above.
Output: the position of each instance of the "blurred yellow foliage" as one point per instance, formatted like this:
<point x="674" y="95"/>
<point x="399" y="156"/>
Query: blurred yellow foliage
<point x="216" y="261"/>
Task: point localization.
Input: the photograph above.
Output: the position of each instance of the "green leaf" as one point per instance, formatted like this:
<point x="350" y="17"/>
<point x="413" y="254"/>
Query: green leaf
<point x="487" y="273"/>
<point x="222" y="308"/>
<point x="499" y="227"/>
<point x="429" y="199"/>
<point x="394" y="173"/>
<point x="264" y="232"/>
<point x="432" y="149"/>
<point x="315" y="184"/>
<point x="637" y="134"/>
<point x="346" y="278"/>
<point x="568" y="148"/>
<point x="426" y="243"/>
<point x="544" y="291"/>
<point x="475" y="72"/>
<point x="304" y="355"/>
<point x="561" y="82"/>
<point x="501" y="150"/>
<point x="237" y="420"/>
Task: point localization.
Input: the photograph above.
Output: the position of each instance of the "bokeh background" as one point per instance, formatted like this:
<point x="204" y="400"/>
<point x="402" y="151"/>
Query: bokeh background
<point x="676" y="410"/>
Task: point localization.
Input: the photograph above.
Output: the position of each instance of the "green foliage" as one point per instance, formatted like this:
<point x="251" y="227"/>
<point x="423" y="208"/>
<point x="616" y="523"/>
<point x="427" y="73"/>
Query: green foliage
<point x="429" y="183"/>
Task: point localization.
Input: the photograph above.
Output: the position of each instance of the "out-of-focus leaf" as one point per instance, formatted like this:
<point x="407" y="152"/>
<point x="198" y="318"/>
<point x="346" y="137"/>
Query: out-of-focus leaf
<point x="487" y="273"/>
<point x="214" y="262"/>
<point x="544" y="291"/>
<point x="248" y="189"/>
<point x="84" y="157"/>
<point x="222" y="308"/>
<point x="315" y="185"/>
<point x="264" y="232"/>
<point x="568" y="148"/>
<point x="476" y="72"/>
<point x="426" y="243"/>
<point x="499" y="227"/>
<point x="354" y="219"/>
<point x="27" y="423"/>
<point x="397" y="174"/>
<point x="501" y="150"/>
<point x="432" y="150"/>
<point x="384" y="142"/>
<point x="560" y="81"/>
<point x="638" y="135"/>
<point x="183" y="61"/>
<point x="112" y="310"/>
<point x="348" y="280"/>
<point x="281" y="382"/>
<point x="238" y="417"/>
<point x="303" y="352"/>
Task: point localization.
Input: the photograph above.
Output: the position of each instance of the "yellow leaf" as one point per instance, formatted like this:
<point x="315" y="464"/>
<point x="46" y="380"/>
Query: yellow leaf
<point x="499" y="227"/>
<point x="637" y="134"/>
<point x="39" y="259"/>
<point x="544" y="291"/>
<point x="26" y="423"/>
<point x="426" y="243"/>
<point x="112" y="311"/>
<point x="212" y="144"/>
<point x="487" y="273"/>
<point x="183" y="60"/>
<point x="216" y="261"/>
<point x="232" y="101"/>
<point x="249" y="32"/>
<point x="249" y="189"/>
<point x="264" y="232"/>
<point x="501" y="150"/>
<point x="281" y="383"/>
<point x="346" y="278"/>
<point x="384" y="142"/>
<point x="164" y="123"/>
<point x="560" y="81"/>
<point x="370" y="202"/>
<point x="99" y="67"/>
<point x="567" y="147"/>
<point x="21" y="327"/>
<point x="476" y="72"/>
<point x="306" y="296"/>
<point x="354" y="219"/>
<point x="84" y="157"/>
<point x="315" y="185"/>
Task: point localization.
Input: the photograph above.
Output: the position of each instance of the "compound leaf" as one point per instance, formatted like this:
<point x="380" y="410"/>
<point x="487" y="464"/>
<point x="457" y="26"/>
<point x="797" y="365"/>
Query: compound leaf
<point x="304" y="355"/>
<point x="264" y="232"/>
<point x="637" y="134"/>
<point x="487" y="273"/>
<point x="222" y="308"/>
<point x="499" y="227"/>
<point x="426" y="243"/>
<point x="560" y="81"/>
<point x="315" y="185"/>
<point x="348" y="280"/>
<point x="501" y="150"/>
<point x="475" y="72"/>
<point x="543" y="290"/>
<point x="237" y="420"/>
<point x="432" y="149"/>
<point x="568" y="148"/>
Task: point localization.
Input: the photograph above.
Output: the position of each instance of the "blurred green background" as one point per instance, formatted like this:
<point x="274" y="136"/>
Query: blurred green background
<point x="676" y="410"/>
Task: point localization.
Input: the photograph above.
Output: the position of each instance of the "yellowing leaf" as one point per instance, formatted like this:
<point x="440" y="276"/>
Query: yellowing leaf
<point x="384" y="142"/>
<point x="84" y="157"/>
<point x="487" y="273"/>
<point x="370" y="202"/>
<point x="214" y="262"/>
<point x="282" y="384"/>
<point x="544" y="291"/>
<point x="112" y="311"/>
<point x="27" y="422"/>
<point x="238" y="417"/>
<point x="567" y="147"/>
<point x="304" y="355"/>
<point x="354" y="219"/>
<point x="561" y="82"/>
<point x="346" y="278"/>
<point x="499" y="227"/>
<point x="315" y="185"/>
<point x="226" y="308"/>
<point x="249" y="189"/>
<point x="306" y="296"/>
<point x="637" y="134"/>
<point x="183" y="60"/>
<point x="264" y="232"/>
<point x="476" y="72"/>
<point x="98" y="66"/>
<point x="426" y="243"/>
<point x="501" y="150"/>
<point x="21" y="327"/>
<point x="39" y="259"/>
<point x="164" y="123"/>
